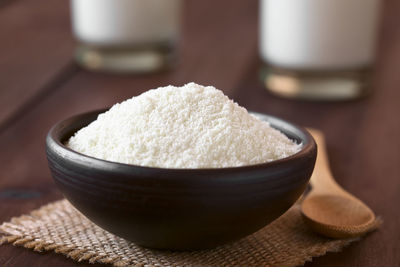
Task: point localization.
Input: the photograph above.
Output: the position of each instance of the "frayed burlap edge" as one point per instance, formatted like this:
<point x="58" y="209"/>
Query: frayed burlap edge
<point x="58" y="227"/>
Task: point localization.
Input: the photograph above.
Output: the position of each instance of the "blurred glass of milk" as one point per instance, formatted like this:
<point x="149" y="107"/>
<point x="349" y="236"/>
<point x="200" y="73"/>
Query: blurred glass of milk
<point x="318" y="49"/>
<point x="126" y="35"/>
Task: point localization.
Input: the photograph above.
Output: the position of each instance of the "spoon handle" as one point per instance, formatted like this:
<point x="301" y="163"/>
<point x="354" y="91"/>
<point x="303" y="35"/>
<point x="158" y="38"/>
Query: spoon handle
<point x="322" y="180"/>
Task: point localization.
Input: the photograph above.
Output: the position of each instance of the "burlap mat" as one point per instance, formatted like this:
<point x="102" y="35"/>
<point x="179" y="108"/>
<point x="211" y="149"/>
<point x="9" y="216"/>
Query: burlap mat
<point x="61" y="228"/>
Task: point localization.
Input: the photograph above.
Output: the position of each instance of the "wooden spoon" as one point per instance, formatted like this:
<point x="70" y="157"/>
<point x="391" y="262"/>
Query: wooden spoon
<point x="328" y="209"/>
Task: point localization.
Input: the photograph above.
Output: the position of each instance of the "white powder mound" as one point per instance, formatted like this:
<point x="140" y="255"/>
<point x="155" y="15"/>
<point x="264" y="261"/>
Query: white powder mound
<point x="182" y="127"/>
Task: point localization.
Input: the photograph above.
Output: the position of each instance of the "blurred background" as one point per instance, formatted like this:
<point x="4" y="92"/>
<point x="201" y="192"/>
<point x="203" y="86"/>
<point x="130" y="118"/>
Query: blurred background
<point x="217" y="45"/>
<point x="213" y="44"/>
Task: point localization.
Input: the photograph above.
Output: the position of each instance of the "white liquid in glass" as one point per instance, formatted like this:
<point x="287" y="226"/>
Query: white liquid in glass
<point x="319" y="34"/>
<point x="125" y="22"/>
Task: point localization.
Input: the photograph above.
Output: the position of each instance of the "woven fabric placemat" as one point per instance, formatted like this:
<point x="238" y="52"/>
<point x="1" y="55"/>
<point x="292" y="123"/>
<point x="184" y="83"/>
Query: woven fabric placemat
<point x="59" y="227"/>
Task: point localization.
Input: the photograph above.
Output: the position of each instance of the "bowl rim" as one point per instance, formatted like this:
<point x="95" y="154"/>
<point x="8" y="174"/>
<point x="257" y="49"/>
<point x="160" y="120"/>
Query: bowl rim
<point x="55" y="145"/>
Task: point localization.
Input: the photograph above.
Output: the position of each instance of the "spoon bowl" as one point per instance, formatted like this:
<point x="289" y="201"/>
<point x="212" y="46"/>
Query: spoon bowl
<point x="329" y="209"/>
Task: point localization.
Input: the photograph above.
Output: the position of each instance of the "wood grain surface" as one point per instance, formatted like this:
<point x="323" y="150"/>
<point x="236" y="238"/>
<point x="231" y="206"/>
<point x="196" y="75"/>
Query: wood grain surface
<point x="35" y="51"/>
<point x="40" y="84"/>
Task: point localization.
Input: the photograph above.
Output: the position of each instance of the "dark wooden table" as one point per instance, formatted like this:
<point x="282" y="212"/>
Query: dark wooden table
<point x="40" y="84"/>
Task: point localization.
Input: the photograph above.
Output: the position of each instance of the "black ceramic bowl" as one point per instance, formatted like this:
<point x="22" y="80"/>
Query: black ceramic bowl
<point x="179" y="209"/>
